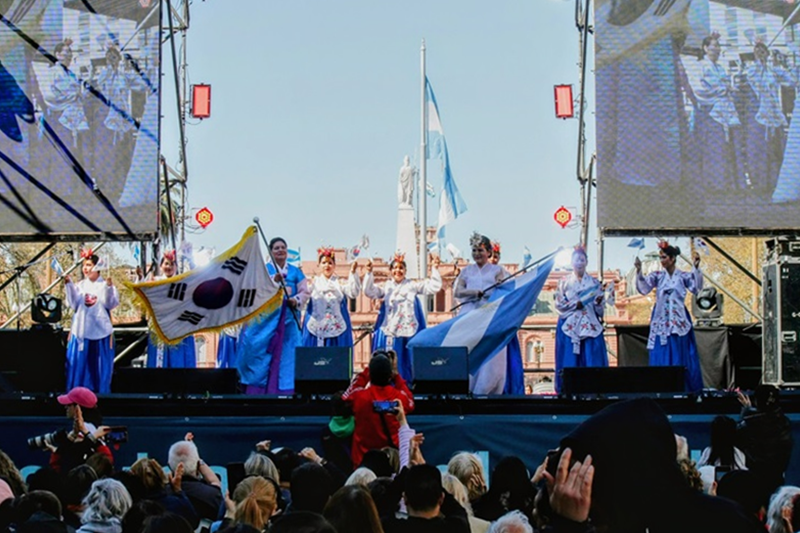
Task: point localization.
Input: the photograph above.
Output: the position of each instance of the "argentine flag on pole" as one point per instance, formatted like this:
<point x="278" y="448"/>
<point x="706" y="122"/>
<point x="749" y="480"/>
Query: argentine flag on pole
<point x="451" y="205"/>
<point x="486" y="329"/>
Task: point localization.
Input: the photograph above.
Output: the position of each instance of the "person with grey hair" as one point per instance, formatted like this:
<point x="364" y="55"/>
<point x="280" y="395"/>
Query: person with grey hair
<point x="104" y="507"/>
<point x="467" y="467"/>
<point x="452" y="485"/>
<point x="780" y="507"/>
<point x="362" y="476"/>
<point x="200" y="484"/>
<point x="259" y="464"/>
<point x="513" y="522"/>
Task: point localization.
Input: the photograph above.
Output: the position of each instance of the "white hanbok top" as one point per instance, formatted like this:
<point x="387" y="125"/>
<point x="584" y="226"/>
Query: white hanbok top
<point x="766" y="81"/>
<point x="581" y="323"/>
<point x="474" y="279"/>
<point x="401" y="321"/>
<point x="715" y="91"/>
<point x="92" y="303"/>
<point x="669" y="314"/>
<point x="326" y="320"/>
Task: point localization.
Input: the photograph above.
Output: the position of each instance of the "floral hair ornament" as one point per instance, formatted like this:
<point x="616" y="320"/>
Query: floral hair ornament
<point x="495" y="247"/>
<point x="87" y="253"/>
<point x="475" y="240"/>
<point x="662" y="244"/>
<point x="325" y="251"/>
<point x="580" y="249"/>
<point x="169" y="254"/>
<point x="398" y="257"/>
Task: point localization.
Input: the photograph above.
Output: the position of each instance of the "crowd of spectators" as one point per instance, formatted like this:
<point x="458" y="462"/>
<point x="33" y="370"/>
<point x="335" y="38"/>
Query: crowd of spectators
<point x="622" y="470"/>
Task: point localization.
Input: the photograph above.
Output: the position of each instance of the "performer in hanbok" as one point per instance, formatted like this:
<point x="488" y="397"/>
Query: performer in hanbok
<point x="717" y="124"/>
<point x="764" y="119"/>
<point x="160" y="355"/>
<point x="113" y="124"/>
<point x="327" y="319"/>
<point x="671" y="341"/>
<point x="494" y="258"/>
<point x="400" y="316"/>
<point x="502" y="372"/>
<point x="579" y="333"/>
<point x="90" y="349"/>
<point x="67" y="91"/>
<point x="265" y="350"/>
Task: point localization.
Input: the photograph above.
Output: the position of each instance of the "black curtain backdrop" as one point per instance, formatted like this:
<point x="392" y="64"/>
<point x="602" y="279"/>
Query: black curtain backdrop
<point x="730" y="356"/>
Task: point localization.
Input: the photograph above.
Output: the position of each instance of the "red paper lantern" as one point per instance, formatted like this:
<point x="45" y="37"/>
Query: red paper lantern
<point x="562" y="216"/>
<point x="204" y="217"/>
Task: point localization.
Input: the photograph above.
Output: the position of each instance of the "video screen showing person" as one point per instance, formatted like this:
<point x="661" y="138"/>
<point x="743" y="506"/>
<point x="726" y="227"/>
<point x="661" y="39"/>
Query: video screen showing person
<point x="695" y="114"/>
<point x="79" y="117"/>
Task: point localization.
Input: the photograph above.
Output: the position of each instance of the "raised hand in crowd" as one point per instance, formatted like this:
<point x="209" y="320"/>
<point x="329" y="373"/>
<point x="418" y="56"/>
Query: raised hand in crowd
<point x="369" y="266"/>
<point x="263" y="446"/>
<point x="571" y="488"/>
<point x="175" y="478"/>
<point x="189" y="436"/>
<point x="415" y="452"/>
<point x="353" y="267"/>
<point x="743" y="399"/>
<point x="311" y="454"/>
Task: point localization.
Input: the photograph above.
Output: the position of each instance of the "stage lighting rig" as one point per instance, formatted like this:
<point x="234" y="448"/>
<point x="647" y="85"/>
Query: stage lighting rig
<point x="707" y="307"/>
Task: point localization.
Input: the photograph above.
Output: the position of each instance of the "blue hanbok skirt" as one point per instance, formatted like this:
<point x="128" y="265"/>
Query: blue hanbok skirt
<point x="405" y="363"/>
<point x="90" y="363"/>
<point x="680" y="350"/>
<point x="181" y="355"/>
<point x="593" y="352"/>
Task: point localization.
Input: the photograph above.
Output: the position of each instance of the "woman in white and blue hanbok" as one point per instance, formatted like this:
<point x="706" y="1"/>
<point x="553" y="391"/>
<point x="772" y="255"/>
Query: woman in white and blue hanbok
<point x="671" y="341"/>
<point x="265" y="349"/>
<point x="717" y="126"/>
<point x="764" y="119"/>
<point x="579" y="333"/>
<point x="159" y="354"/>
<point x="400" y="316"/>
<point x="502" y="371"/>
<point x="90" y="349"/>
<point x="327" y="319"/>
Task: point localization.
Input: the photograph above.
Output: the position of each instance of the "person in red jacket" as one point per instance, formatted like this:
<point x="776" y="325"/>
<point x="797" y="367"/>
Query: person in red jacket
<point x="373" y="396"/>
<point x="74" y="447"/>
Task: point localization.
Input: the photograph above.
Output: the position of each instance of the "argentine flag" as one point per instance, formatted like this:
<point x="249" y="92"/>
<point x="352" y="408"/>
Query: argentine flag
<point x="451" y="205"/>
<point x="486" y="329"/>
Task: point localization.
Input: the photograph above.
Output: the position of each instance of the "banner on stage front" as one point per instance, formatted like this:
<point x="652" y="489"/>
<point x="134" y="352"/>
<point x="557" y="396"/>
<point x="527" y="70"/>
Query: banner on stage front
<point x="231" y="289"/>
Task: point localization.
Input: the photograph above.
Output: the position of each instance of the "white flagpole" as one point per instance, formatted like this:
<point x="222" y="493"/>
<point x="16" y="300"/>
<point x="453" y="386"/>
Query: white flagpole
<point x="423" y="193"/>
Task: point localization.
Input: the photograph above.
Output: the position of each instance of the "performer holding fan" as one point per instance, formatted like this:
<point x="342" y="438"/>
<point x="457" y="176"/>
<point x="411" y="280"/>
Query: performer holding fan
<point x="90" y="350"/>
<point x="671" y="341"/>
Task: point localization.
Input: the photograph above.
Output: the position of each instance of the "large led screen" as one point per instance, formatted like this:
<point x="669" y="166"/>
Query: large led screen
<point x="696" y="122"/>
<point x="79" y="118"/>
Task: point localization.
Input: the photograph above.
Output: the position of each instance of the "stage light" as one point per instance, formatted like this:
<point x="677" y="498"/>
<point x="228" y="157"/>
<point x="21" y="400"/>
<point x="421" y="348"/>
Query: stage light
<point x="201" y="101"/>
<point x="707" y="307"/>
<point x="46" y="309"/>
<point x="565" y="105"/>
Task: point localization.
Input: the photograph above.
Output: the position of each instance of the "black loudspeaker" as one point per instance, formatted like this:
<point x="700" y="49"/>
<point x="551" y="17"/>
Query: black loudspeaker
<point x="623" y="379"/>
<point x="33" y="360"/>
<point x="322" y="370"/>
<point x="441" y="370"/>
<point x="781" y="339"/>
<point x="178" y="381"/>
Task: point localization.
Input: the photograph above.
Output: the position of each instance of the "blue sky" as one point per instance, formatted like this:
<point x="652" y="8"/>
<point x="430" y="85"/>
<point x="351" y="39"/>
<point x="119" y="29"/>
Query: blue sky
<point x="314" y="105"/>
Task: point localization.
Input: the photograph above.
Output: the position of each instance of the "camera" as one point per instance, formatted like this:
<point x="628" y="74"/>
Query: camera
<point x="385" y="406"/>
<point x="116" y="435"/>
<point x="42" y="442"/>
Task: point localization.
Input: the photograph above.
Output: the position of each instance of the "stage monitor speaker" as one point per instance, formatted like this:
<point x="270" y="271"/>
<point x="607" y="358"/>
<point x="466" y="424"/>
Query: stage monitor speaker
<point x="323" y="369"/>
<point x="441" y="370"/>
<point x="781" y="325"/>
<point x="179" y="381"/>
<point x="33" y="360"/>
<point x="623" y="379"/>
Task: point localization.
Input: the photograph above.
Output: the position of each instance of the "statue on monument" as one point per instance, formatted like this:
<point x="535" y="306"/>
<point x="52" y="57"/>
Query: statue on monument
<point x="405" y="188"/>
